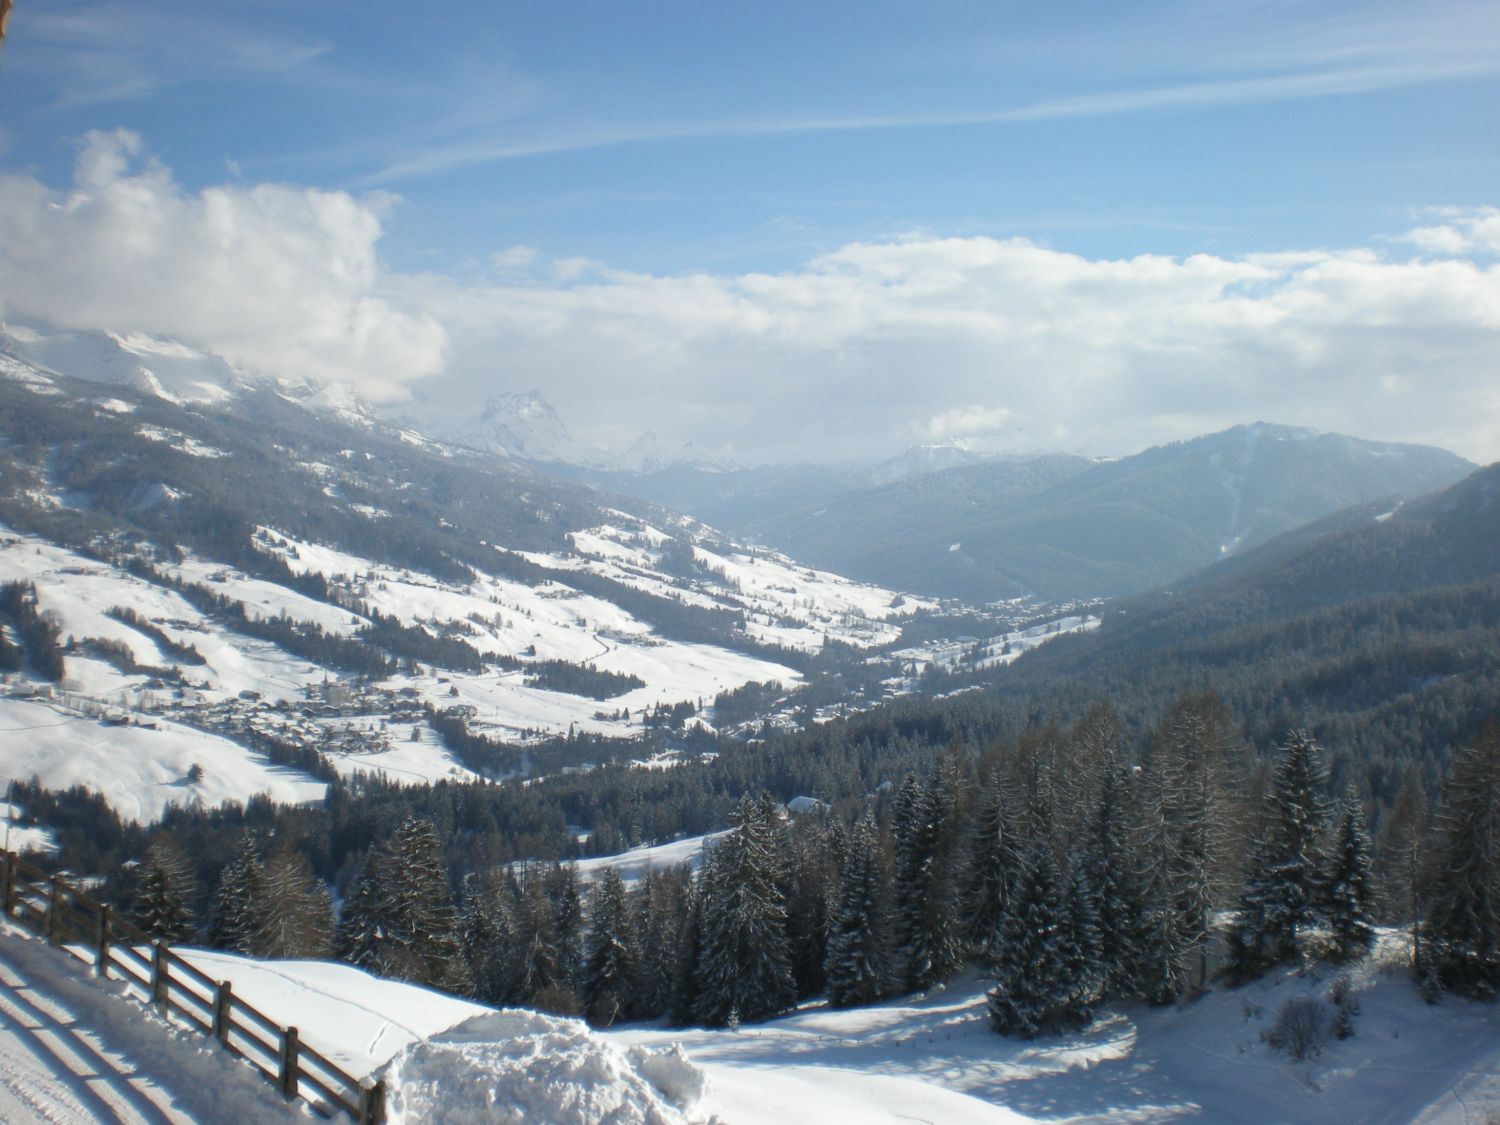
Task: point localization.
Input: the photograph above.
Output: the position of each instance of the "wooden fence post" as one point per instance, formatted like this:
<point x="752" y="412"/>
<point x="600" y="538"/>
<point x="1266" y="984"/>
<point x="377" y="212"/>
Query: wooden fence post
<point x="372" y="1105"/>
<point x="159" y="978"/>
<point x="54" y="913"/>
<point x="289" y="1064"/>
<point x="101" y="945"/>
<point x="10" y="883"/>
<point x="223" y="1017"/>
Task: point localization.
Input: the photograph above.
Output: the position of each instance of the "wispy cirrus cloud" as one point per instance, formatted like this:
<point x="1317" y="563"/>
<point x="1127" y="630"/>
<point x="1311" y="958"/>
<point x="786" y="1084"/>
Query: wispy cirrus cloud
<point x="98" y="53"/>
<point x="1184" y="97"/>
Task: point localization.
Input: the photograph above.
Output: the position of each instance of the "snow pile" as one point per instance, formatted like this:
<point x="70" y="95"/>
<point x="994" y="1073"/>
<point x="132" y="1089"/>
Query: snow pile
<point x="521" y="1066"/>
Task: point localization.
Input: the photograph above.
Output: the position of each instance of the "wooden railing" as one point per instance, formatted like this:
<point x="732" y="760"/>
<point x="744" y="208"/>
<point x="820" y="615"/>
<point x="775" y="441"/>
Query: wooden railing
<point x="114" y="947"/>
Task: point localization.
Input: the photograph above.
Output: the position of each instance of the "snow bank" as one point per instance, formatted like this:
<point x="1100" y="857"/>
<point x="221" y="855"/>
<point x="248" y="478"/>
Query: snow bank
<point x="521" y="1066"/>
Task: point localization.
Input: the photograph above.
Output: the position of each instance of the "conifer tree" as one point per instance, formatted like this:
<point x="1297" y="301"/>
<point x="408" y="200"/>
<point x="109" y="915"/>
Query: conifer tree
<point x="1163" y="967"/>
<point x="417" y="911"/>
<point x="818" y="845"/>
<point x="661" y="902"/>
<point x="537" y="962"/>
<point x="1400" y="853"/>
<point x="994" y="862"/>
<point x="567" y="921"/>
<point x="488" y="934"/>
<point x="926" y="881"/>
<point x="293" y="916"/>
<point x="1031" y="994"/>
<point x="859" y="959"/>
<point x="1285" y="892"/>
<point x="744" y="968"/>
<point x="231" y="912"/>
<point x="1349" y="890"/>
<point x="684" y="1004"/>
<point x="360" y="937"/>
<point x="1461" y="927"/>
<point x="1112" y="869"/>
<point x="165" y="891"/>
<point x="609" y="961"/>
<point x="1082" y="951"/>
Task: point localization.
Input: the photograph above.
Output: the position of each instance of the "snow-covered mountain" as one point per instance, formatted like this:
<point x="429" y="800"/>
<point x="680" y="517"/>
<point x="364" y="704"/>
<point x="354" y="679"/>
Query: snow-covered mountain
<point x="166" y="369"/>
<point x="237" y="583"/>
<point x="513" y="424"/>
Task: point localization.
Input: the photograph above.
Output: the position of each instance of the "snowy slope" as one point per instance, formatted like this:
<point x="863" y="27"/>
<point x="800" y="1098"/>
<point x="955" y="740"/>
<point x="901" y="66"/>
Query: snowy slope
<point x="141" y="771"/>
<point x="449" y="1060"/>
<point x="928" y="1058"/>
<point x="935" y="1059"/>
<point x="75" y="1050"/>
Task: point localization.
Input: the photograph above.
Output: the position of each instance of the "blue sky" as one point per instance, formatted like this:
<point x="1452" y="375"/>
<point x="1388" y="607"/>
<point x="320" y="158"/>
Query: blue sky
<point x="733" y="223"/>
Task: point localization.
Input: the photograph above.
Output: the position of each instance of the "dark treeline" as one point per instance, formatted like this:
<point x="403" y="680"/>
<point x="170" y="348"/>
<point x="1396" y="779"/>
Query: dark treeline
<point x="174" y="650"/>
<point x="39" y="646"/>
<point x="580" y="679"/>
<point x="1073" y="865"/>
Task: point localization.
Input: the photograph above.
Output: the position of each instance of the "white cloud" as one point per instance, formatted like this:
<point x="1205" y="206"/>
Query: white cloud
<point x="277" y="279"/>
<point x="1466" y="231"/>
<point x="514" y="258"/>
<point x="861" y="348"/>
<point x="855" y="351"/>
<point x="963" y="422"/>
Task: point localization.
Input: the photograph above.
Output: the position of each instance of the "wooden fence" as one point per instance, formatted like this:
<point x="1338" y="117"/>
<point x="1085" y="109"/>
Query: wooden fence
<point x="114" y="947"/>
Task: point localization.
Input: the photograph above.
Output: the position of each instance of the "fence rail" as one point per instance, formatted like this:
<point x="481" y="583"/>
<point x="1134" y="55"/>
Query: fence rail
<point x="114" y="947"/>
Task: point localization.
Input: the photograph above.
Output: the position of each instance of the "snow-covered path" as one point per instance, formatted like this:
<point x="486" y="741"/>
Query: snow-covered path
<point x="71" y="1052"/>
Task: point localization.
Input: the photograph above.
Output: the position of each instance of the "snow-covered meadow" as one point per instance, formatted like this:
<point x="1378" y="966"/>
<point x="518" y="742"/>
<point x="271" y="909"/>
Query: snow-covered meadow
<point x="928" y="1057"/>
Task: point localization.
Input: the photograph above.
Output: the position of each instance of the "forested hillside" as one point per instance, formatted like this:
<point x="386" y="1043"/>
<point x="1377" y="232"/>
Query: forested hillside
<point x="1063" y="527"/>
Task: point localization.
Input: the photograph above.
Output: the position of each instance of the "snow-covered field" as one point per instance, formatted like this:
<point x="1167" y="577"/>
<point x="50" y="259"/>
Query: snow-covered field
<point x="996" y="651"/>
<point x="934" y="1059"/>
<point x="632" y="864"/>
<point x="141" y="771"/>
<point x="928" y="1058"/>
<point x="784" y="603"/>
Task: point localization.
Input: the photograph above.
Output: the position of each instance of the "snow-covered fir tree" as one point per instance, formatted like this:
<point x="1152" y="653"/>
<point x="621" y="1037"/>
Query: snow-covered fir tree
<point x="231" y="912"/>
<point x="1284" y="894"/>
<point x="859" y="957"/>
<point x="488" y="934"/>
<point x="744" y="966"/>
<point x="360" y="936"/>
<point x="398" y="919"/>
<point x="929" y="935"/>
<point x="1461" y="925"/>
<point x="994" y="862"/>
<point x="1113" y="872"/>
<point x="683" y="1007"/>
<point x="818" y="847"/>
<point x="609" y="969"/>
<point x="567" y="921"/>
<point x="1032" y="994"/>
<point x="1349" y="893"/>
<point x="661" y="900"/>
<point x="536" y="959"/>
<point x="1082" y="950"/>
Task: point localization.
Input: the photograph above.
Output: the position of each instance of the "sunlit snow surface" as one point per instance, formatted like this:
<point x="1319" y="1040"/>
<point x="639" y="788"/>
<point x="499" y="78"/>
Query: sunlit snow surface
<point x="141" y="771"/>
<point x="926" y="1058"/>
